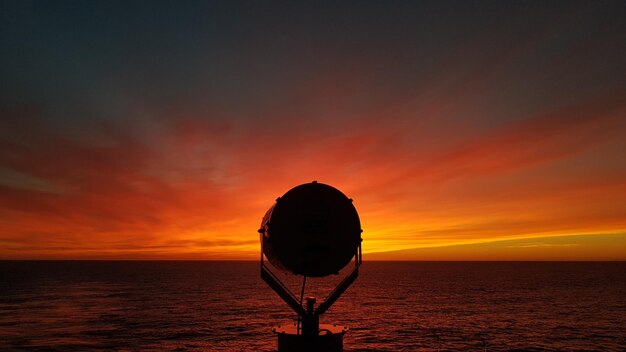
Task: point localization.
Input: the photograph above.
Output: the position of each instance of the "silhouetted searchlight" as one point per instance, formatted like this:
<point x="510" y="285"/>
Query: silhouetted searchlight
<point x="314" y="231"/>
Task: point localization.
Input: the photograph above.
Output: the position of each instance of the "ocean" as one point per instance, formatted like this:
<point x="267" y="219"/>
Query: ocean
<point x="393" y="306"/>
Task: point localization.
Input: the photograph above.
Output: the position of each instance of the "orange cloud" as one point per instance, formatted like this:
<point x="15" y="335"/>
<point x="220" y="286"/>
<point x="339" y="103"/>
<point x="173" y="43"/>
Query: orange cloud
<point x="182" y="187"/>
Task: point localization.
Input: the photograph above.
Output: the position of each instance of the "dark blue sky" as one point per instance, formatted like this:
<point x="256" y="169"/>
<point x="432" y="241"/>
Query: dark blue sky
<point x="81" y="58"/>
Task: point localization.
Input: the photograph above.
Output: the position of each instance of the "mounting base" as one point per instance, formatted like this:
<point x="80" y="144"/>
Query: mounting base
<point x="329" y="338"/>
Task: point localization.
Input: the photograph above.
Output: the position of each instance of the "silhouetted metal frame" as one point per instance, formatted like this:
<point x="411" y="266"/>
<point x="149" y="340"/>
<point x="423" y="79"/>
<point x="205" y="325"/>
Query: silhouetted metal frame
<point x="285" y="293"/>
<point x="343" y="285"/>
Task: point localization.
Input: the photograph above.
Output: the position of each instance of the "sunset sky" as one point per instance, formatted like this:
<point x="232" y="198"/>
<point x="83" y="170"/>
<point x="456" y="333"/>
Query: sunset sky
<point x="469" y="130"/>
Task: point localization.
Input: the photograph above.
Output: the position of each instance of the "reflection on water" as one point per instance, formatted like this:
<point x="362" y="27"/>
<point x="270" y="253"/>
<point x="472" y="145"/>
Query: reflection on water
<point x="224" y="306"/>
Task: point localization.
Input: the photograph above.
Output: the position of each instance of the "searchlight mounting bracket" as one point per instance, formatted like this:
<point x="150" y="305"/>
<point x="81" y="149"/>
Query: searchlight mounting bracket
<point x="308" y="316"/>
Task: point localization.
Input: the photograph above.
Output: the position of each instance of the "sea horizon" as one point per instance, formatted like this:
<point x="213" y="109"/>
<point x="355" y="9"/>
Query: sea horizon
<point x="209" y="305"/>
<point x="368" y="261"/>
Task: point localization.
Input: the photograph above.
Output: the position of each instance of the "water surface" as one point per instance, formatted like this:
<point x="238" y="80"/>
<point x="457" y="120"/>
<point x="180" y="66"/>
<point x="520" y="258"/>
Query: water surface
<point x="393" y="306"/>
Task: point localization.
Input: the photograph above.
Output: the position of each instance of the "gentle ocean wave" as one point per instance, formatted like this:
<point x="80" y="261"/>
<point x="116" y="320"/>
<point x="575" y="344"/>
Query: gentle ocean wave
<point x="224" y="306"/>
